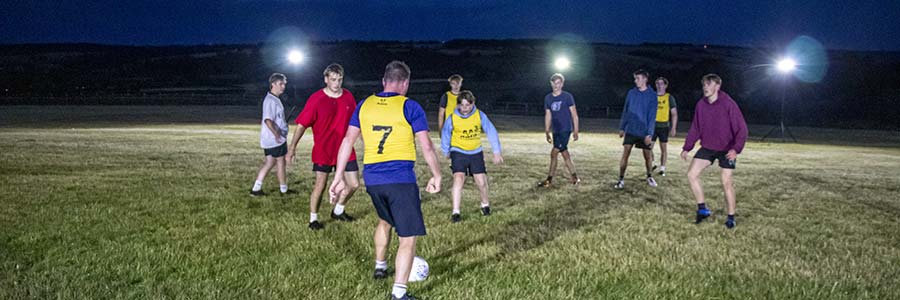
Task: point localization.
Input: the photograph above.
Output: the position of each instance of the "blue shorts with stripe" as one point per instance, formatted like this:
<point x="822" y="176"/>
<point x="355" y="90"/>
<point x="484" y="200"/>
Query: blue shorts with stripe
<point x="399" y="205"/>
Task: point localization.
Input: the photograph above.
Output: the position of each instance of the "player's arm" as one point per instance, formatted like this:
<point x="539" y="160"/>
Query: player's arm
<point x="548" y="117"/>
<point x="271" y="125"/>
<point x="442" y="110"/>
<point x="434" y="184"/>
<point x="673" y="115"/>
<point x="574" y="121"/>
<point x="298" y="134"/>
<point x="493" y="137"/>
<point x="440" y="118"/>
<point x="337" y="184"/>
<point x="446" y="136"/>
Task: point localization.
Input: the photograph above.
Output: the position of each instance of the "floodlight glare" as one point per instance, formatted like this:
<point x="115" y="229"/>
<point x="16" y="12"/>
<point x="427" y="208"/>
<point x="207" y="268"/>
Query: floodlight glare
<point x="562" y="63"/>
<point x="786" y="65"/>
<point x="295" y="57"/>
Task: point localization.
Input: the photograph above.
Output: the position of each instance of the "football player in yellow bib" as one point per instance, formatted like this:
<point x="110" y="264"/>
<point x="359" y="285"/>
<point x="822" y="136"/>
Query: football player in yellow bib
<point x="389" y="124"/>
<point x="461" y="141"/>
<point x="666" y="122"/>
<point x="449" y="99"/>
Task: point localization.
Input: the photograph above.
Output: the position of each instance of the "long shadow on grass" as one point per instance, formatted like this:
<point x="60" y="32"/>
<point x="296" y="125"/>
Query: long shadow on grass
<point x="521" y="235"/>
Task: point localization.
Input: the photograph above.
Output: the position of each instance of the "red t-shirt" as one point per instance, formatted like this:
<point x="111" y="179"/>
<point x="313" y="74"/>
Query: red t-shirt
<point x="328" y="117"/>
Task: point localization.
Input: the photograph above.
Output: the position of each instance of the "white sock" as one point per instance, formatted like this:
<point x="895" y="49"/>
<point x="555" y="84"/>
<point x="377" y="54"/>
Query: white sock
<point x="339" y="209"/>
<point x="257" y="186"/>
<point x="662" y="168"/>
<point x="283" y="188"/>
<point x="313" y="217"/>
<point x="455" y="211"/>
<point x="483" y="205"/>
<point x="399" y="290"/>
<point x="381" y="264"/>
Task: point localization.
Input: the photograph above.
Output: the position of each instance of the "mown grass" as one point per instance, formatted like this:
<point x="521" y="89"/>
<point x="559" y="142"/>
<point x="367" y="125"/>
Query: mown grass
<point x="119" y="209"/>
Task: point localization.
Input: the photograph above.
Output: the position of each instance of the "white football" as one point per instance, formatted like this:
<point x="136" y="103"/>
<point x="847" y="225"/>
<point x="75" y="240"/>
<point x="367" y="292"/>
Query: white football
<point x="419" y="270"/>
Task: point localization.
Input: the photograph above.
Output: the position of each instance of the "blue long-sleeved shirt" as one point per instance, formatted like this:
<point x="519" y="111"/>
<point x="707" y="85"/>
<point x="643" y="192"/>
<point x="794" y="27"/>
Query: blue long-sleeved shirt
<point x="639" y="114"/>
<point x="486" y="125"/>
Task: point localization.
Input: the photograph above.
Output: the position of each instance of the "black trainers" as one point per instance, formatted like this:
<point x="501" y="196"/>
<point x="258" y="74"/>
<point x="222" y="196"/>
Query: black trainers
<point x="407" y="296"/>
<point x="455" y="218"/>
<point x="344" y="217"/>
<point x="380" y="274"/>
<point x="486" y="211"/>
<point x="545" y="184"/>
<point x="257" y="193"/>
<point x="315" y="225"/>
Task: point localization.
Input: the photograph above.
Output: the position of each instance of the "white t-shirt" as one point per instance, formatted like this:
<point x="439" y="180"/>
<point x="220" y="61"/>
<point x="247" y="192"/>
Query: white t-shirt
<point x="273" y="110"/>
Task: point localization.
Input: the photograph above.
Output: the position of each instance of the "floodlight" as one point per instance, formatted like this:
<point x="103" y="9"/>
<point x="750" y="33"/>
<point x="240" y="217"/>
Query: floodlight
<point x="295" y="57"/>
<point x="562" y="63"/>
<point x="786" y="65"/>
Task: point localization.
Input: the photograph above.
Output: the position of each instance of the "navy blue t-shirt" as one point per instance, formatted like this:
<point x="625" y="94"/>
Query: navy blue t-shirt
<point x="559" y="111"/>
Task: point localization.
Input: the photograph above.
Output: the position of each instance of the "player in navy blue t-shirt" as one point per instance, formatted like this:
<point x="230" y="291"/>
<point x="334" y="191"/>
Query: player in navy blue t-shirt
<point x="560" y="115"/>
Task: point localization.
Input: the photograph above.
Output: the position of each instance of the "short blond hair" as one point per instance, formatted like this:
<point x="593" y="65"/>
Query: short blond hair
<point x="455" y="77"/>
<point x="711" y="77"/>
<point x="557" y="76"/>
<point x="334" y="69"/>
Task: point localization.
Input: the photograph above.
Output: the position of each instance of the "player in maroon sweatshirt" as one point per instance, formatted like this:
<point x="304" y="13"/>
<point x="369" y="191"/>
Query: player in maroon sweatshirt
<point x="719" y="126"/>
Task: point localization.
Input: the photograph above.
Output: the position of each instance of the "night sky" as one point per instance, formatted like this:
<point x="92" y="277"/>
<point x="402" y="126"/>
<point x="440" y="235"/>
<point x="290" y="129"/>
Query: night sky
<point x="855" y="25"/>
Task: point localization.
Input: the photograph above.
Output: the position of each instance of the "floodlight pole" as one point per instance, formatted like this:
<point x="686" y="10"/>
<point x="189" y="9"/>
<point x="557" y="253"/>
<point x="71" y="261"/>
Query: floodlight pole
<point x="783" y="128"/>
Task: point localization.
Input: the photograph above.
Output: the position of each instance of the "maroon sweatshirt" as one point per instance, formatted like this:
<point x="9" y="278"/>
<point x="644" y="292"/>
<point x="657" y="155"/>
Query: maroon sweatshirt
<point x="719" y="125"/>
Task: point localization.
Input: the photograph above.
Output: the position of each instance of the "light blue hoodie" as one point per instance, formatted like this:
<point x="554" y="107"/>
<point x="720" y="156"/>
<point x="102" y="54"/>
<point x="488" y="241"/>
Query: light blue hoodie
<point x="486" y="125"/>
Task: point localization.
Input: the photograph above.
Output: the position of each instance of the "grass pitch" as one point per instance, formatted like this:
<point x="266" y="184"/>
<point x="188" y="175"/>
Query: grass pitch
<point x="151" y="203"/>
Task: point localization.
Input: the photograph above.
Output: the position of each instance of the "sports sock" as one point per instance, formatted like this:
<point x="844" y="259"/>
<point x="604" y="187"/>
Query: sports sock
<point x="313" y="217"/>
<point x="483" y="205"/>
<point x="550" y="178"/>
<point x="455" y="211"/>
<point x="339" y="209"/>
<point x="381" y="264"/>
<point x="257" y="186"/>
<point x="399" y="290"/>
<point x="621" y="178"/>
<point x="731" y="218"/>
<point x="574" y="175"/>
<point x="649" y="174"/>
<point x="701" y="206"/>
<point x="662" y="168"/>
<point x="283" y="188"/>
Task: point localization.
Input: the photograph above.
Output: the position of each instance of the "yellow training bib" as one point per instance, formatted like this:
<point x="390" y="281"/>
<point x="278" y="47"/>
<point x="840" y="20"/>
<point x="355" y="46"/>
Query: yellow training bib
<point x="466" y="132"/>
<point x="451" y="104"/>
<point x="662" y="111"/>
<point x="386" y="134"/>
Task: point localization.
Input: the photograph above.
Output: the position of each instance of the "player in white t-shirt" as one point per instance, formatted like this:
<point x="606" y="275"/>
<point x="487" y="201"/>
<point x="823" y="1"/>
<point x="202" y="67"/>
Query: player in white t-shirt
<point x="273" y="135"/>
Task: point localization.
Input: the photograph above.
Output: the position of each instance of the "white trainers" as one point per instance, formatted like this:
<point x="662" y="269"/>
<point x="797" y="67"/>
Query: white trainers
<point x="651" y="182"/>
<point x="620" y="185"/>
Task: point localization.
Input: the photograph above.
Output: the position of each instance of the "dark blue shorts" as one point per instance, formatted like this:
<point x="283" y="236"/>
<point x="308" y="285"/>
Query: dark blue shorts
<point x="561" y="140"/>
<point x="469" y="164"/>
<point x="352" y="166"/>
<point x="713" y="155"/>
<point x="277" y="151"/>
<point x="399" y="205"/>
<point x="637" y="141"/>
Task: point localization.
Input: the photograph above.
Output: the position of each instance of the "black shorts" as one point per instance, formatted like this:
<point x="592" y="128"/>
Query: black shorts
<point x="399" y="205"/>
<point x="352" y="166"/>
<point x="637" y="141"/>
<point x="467" y="163"/>
<point x="662" y="133"/>
<point x="561" y="140"/>
<point x="277" y="151"/>
<point x="713" y="155"/>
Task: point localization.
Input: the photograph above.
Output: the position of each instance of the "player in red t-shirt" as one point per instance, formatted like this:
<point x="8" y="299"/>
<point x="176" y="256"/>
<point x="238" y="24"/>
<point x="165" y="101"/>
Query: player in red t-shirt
<point x="328" y="112"/>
